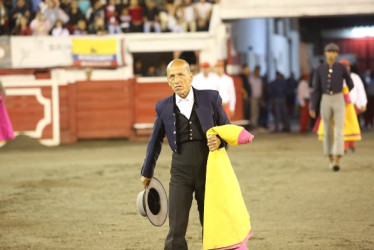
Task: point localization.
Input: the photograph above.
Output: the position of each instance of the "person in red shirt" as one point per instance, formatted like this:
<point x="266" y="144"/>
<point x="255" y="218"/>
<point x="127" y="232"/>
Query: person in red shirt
<point x="22" y="28"/>
<point x="136" y="13"/>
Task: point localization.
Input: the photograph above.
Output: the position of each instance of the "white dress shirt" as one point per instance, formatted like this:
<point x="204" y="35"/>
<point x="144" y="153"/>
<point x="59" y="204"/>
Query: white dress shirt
<point x="201" y="82"/>
<point x="227" y="91"/>
<point x="185" y="105"/>
<point x="358" y="94"/>
<point x="303" y="92"/>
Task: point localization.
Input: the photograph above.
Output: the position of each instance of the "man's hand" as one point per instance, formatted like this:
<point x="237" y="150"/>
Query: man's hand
<point x="213" y="142"/>
<point x="145" y="181"/>
<point x="312" y="113"/>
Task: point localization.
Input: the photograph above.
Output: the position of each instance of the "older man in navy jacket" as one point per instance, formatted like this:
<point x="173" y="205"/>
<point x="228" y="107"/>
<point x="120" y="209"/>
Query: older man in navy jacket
<point x="184" y="118"/>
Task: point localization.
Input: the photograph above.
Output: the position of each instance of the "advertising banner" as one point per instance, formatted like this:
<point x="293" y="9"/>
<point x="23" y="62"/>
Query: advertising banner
<point x="96" y="52"/>
<point x="40" y="52"/>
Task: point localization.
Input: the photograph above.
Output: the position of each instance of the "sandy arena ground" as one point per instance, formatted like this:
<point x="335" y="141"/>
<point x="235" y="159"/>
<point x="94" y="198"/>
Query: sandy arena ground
<point x="83" y="196"/>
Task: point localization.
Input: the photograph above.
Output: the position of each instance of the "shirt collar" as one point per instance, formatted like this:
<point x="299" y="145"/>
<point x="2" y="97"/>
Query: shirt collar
<point x="189" y="97"/>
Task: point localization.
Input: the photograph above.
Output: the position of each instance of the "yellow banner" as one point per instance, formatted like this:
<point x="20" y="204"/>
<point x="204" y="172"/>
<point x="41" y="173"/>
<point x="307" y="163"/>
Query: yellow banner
<point x="94" y="46"/>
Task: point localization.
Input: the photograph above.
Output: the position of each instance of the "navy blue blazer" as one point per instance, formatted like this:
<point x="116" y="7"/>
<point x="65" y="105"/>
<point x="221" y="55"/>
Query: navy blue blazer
<point x="208" y="110"/>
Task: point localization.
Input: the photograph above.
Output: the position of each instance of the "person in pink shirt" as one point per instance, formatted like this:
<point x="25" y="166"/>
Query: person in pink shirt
<point x="40" y="25"/>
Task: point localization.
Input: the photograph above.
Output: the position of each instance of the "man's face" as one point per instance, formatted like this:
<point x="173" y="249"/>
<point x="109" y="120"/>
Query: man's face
<point x="331" y="56"/>
<point x="220" y="70"/>
<point x="179" y="79"/>
<point x="257" y="71"/>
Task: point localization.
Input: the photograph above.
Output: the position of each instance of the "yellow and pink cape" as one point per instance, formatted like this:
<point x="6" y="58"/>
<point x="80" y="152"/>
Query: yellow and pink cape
<point x="226" y="218"/>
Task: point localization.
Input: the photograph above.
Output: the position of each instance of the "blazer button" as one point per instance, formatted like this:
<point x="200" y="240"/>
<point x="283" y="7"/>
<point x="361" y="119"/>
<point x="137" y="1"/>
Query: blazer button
<point x="173" y="114"/>
<point x="174" y="132"/>
<point x="175" y="150"/>
<point x="175" y="142"/>
<point x="190" y="122"/>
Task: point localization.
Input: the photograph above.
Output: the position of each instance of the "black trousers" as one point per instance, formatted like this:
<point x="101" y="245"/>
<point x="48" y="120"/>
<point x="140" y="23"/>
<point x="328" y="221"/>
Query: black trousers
<point x="188" y="171"/>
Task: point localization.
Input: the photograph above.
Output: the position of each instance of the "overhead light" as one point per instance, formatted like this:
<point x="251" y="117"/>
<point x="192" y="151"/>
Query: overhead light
<point x="363" y="31"/>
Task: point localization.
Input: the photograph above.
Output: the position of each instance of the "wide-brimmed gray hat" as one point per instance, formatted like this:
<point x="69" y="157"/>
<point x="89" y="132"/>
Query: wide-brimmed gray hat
<point x="332" y="47"/>
<point x="153" y="203"/>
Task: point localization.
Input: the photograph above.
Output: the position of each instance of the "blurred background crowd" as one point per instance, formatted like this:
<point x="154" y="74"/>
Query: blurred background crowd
<point x="80" y="17"/>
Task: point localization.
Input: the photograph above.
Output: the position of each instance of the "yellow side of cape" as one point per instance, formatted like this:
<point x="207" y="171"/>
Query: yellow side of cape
<point x="351" y="130"/>
<point x="226" y="219"/>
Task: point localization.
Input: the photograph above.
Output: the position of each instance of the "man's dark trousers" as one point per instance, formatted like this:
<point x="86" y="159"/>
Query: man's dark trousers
<point x="188" y="171"/>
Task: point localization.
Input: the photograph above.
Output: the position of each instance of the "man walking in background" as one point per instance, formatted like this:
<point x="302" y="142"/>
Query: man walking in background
<point x="328" y="82"/>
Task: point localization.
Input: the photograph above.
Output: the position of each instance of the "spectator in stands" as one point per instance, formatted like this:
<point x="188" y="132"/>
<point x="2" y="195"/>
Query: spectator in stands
<point x="74" y="15"/>
<point x="161" y="69"/>
<point x="189" y="16"/>
<point x="65" y="5"/>
<point x="138" y="68"/>
<point x="40" y="25"/>
<point x="369" y="84"/>
<point x="84" y="5"/>
<point x="151" y="70"/>
<point x="81" y="28"/>
<point x="206" y="79"/>
<point x="54" y="13"/>
<point x="204" y="10"/>
<point x="303" y="97"/>
<point x="113" y="26"/>
<point x="21" y="9"/>
<point x="4" y="21"/>
<point x="125" y="20"/>
<point x="136" y="13"/>
<point x="110" y="11"/>
<point x="246" y="90"/>
<point x="97" y="11"/>
<point x="170" y="22"/>
<point x="59" y="29"/>
<point x="22" y="28"/>
<point x="277" y="92"/>
<point x="256" y="87"/>
<point x="98" y="27"/>
<point x="151" y="17"/>
<point x="226" y="90"/>
<point x="292" y="86"/>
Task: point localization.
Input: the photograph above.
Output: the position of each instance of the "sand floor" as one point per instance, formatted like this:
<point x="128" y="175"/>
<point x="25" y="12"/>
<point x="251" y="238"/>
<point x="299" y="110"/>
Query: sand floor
<point x="83" y="196"/>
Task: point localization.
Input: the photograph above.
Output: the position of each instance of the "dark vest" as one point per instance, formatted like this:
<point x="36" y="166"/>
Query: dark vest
<point x="188" y="129"/>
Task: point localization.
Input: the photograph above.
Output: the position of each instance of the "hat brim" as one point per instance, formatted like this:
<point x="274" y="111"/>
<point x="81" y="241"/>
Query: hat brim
<point x="153" y="203"/>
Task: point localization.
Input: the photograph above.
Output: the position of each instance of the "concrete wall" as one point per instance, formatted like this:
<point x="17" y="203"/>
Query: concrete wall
<point x="237" y="9"/>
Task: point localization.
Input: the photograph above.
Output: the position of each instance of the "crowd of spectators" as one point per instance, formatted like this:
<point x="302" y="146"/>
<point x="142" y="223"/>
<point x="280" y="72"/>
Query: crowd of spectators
<point x="80" y="17"/>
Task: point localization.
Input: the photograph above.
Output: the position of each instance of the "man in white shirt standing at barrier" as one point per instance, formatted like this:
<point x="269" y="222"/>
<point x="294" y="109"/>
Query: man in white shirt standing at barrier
<point x="206" y="79"/>
<point x="226" y="90"/>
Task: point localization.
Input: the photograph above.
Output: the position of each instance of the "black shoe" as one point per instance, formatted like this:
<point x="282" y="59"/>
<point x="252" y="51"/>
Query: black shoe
<point x="335" y="168"/>
<point x="352" y="149"/>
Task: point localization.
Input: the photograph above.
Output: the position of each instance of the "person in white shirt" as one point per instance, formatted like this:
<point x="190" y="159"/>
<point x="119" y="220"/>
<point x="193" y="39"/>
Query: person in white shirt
<point x="206" y="79"/>
<point x="226" y="90"/>
<point x="256" y="86"/>
<point x="358" y="98"/>
<point x="59" y="29"/>
<point x="303" y="96"/>
<point x="204" y="10"/>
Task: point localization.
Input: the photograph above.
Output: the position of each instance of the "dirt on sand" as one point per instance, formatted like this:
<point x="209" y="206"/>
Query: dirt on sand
<point x="83" y="196"/>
